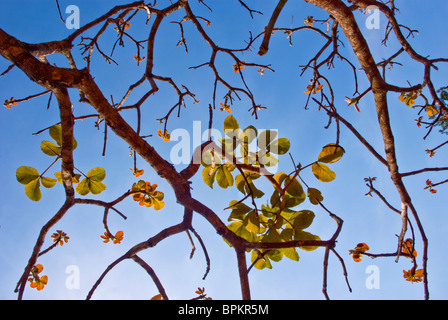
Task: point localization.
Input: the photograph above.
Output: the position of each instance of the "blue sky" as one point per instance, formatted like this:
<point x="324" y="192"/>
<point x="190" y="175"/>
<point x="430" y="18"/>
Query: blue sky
<point x="365" y="219"/>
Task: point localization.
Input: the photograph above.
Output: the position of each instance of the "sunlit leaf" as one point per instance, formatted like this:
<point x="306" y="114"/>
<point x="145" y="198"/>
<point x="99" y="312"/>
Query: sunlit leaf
<point x="56" y="134"/>
<point x="291" y="253"/>
<point x="48" y="182"/>
<point x="223" y="177"/>
<point x="252" y="222"/>
<point x="314" y="195"/>
<point x="50" y="149"/>
<point x="158" y="203"/>
<point x="275" y="255"/>
<point x="231" y="126"/>
<point x="32" y="190"/>
<point x="279" y="146"/>
<point x="322" y="172"/>
<point x="208" y="175"/>
<point x="25" y="174"/>
<point x="272" y="236"/>
<point x="300" y="235"/>
<point x="240" y="230"/>
<point x="303" y="219"/>
<point x="96" y="187"/>
<point x="96" y="174"/>
<point x="260" y="263"/>
<point x="331" y="153"/>
<point x="239" y="211"/>
<point x="83" y="187"/>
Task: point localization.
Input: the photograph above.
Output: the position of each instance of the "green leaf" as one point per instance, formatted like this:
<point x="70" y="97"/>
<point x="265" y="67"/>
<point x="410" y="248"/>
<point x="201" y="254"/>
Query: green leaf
<point x="265" y="138"/>
<point x="280" y="177"/>
<point x="50" y="149"/>
<point x="303" y="219"/>
<point x="223" y="177"/>
<point x="83" y="187"/>
<point x="96" y="187"/>
<point x="314" y="195"/>
<point x="331" y="153"/>
<point x="56" y="134"/>
<point x="294" y="188"/>
<point x="245" y="188"/>
<point x="275" y="255"/>
<point x="279" y="146"/>
<point x="322" y="172"/>
<point x="240" y="230"/>
<point x="96" y="174"/>
<point x="231" y="126"/>
<point x="92" y="182"/>
<point x="32" y="190"/>
<point x="239" y="210"/>
<point x="268" y="211"/>
<point x="272" y="236"/>
<point x="261" y="263"/>
<point x="252" y="222"/>
<point x="300" y="235"/>
<point x="291" y="253"/>
<point x="48" y="182"/>
<point x="208" y="175"/>
<point x="25" y="175"/>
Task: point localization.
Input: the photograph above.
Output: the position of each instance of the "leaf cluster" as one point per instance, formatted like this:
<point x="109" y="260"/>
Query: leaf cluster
<point x="32" y="179"/>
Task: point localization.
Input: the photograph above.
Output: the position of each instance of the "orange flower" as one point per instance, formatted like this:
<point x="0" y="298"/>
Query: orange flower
<point x="60" y="237"/>
<point x="10" y="102"/>
<point x="430" y="152"/>
<point x="126" y="26"/>
<point x="309" y="21"/>
<point x="138" y="58"/>
<point x="419" y="122"/>
<point x="118" y="237"/>
<point x="36" y="281"/>
<point x="225" y="107"/>
<point x="313" y="87"/>
<point x="413" y="275"/>
<point x="429" y="186"/>
<point x="358" y="251"/>
<point x="115" y="239"/>
<point x="408" y="248"/>
<point x="137" y="172"/>
<point x="237" y="67"/>
<point x="164" y="135"/>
